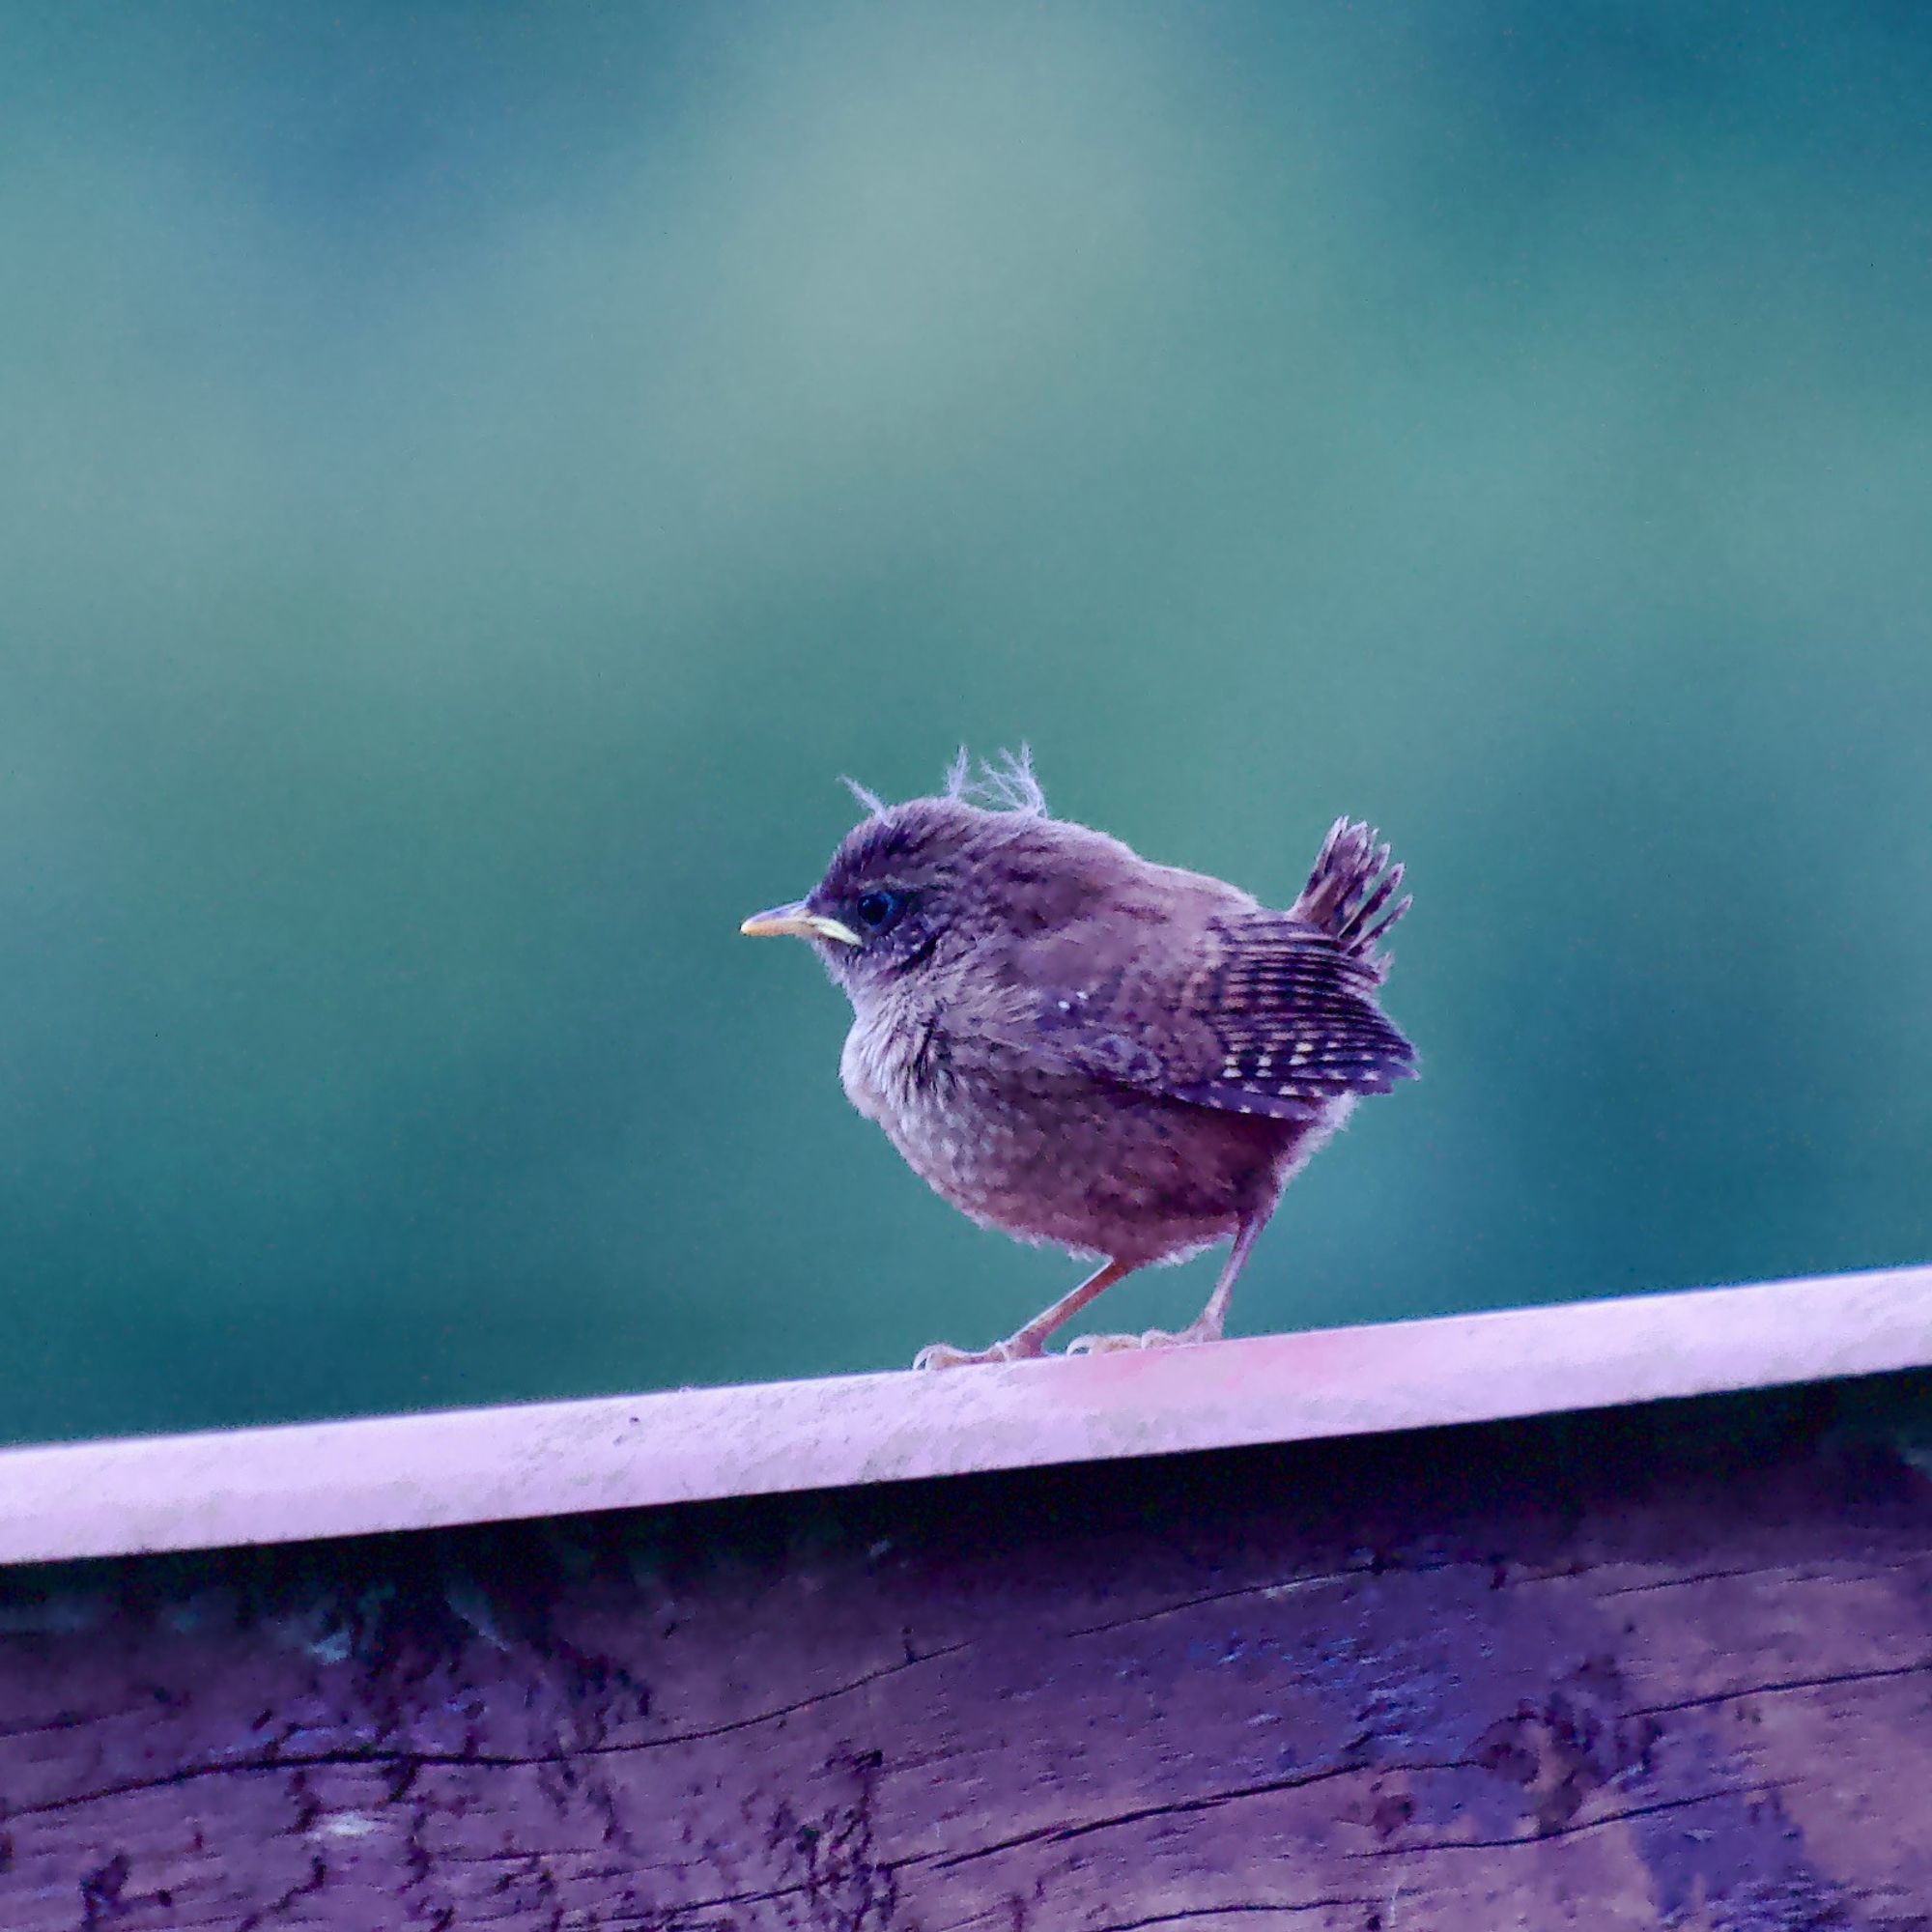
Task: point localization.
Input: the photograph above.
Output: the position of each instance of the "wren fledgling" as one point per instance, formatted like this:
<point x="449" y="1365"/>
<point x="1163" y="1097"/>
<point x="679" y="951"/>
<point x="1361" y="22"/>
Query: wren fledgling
<point x="1076" y="1045"/>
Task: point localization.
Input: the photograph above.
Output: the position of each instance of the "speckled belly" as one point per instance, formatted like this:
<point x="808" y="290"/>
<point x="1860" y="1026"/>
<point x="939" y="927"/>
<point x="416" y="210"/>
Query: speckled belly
<point x="1103" y="1171"/>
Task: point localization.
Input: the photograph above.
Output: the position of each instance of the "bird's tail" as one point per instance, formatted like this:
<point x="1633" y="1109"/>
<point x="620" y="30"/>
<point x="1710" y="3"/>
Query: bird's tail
<point x="1350" y="894"/>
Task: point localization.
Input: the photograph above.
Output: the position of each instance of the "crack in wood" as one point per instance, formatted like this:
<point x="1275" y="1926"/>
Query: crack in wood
<point x="1066" y="1830"/>
<point x="1600" y="1821"/>
<point x="63" y="1724"/>
<point x="1266" y="1592"/>
<point x="410" y="1762"/>
<point x="1261" y="1908"/>
<point x="1802" y="1570"/>
<point x="1778" y="1685"/>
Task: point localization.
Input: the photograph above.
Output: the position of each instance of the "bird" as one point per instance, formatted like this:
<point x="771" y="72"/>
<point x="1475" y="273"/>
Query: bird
<point x="1081" y="1047"/>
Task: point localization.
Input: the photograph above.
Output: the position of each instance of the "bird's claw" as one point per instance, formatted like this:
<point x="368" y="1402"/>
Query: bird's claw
<point x="944" y="1355"/>
<point x="1151" y="1338"/>
<point x="1024" y="1347"/>
<point x="1114" y="1345"/>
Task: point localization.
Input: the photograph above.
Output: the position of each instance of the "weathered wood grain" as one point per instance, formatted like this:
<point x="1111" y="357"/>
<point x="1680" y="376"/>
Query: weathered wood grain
<point x="1671" y="1667"/>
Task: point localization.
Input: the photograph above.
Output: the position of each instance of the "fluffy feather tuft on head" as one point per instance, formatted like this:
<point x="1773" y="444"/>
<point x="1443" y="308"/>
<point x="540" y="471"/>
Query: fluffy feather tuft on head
<point x="1006" y="783"/>
<point x="1003" y="783"/>
<point x="865" y="795"/>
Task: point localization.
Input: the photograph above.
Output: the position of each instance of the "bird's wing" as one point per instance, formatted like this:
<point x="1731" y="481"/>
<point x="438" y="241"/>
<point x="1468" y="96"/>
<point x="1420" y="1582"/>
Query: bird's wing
<point x="1259" y="1013"/>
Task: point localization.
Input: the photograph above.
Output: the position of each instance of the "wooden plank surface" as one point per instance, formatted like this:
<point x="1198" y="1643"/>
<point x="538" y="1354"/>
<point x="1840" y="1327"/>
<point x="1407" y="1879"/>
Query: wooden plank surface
<point x="419" y="1471"/>
<point x="1665" y="1667"/>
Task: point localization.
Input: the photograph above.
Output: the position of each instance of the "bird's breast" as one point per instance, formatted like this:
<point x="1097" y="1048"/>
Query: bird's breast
<point x="1089" y="1165"/>
<point x="954" y="1123"/>
<point x="893" y="1061"/>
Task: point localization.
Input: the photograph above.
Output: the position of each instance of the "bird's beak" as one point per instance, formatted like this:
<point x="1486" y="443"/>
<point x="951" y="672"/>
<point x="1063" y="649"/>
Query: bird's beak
<point x="799" y="922"/>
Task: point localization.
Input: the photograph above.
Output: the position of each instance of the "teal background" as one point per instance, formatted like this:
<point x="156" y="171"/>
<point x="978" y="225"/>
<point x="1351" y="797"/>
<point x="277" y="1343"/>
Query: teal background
<point x="473" y="478"/>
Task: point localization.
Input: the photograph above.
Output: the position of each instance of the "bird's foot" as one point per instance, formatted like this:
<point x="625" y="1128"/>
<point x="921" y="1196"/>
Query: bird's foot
<point x="944" y="1355"/>
<point x="1151" y="1338"/>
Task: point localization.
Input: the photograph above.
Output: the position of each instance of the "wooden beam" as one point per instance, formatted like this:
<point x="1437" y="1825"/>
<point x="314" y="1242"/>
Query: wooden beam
<point x="385" y="1473"/>
<point x="1660" y="1667"/>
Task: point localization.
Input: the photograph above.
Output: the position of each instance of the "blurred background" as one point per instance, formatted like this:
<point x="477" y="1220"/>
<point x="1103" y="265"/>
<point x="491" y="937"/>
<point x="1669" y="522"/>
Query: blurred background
<point x="473" y="477"/>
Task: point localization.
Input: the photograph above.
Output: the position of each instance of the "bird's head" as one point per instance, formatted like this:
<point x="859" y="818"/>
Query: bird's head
<point x="914" y="885"/>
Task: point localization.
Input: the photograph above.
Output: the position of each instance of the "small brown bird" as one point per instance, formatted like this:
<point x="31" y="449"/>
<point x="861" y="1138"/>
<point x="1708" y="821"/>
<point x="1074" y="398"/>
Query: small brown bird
<point x="1079" y="1047"/>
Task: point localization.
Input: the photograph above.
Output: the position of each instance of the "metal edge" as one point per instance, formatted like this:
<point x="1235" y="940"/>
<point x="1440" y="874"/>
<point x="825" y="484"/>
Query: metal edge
<point x="301" y="1481"/>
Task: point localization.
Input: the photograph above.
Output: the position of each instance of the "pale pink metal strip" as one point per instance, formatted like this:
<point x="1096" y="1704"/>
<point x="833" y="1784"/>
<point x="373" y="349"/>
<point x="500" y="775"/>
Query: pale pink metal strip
<point x="476" y="1465"/>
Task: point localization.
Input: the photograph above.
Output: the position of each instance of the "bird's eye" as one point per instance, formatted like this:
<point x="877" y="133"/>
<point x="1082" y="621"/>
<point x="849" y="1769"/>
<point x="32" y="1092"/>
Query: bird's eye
<point x="878" y="910"/>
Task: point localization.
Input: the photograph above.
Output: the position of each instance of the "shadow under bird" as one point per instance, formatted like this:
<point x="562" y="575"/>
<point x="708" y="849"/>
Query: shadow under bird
<point x="1079" y="1047"/>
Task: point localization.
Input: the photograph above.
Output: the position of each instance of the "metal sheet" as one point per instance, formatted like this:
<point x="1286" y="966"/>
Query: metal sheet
<point x="471" y="1465"/>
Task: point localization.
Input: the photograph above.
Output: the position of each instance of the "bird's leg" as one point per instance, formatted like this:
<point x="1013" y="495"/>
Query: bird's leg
<point x="1206" y="1326"/>
<point x="1030" y="1340"/>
